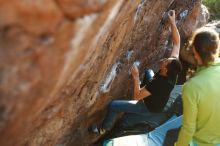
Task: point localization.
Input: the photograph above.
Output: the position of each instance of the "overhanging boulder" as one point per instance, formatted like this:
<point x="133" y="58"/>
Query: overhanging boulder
<point x="58" y="70"/>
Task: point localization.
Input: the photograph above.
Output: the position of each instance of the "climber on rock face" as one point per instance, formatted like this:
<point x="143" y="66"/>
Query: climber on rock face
<point x="154" y="92"/>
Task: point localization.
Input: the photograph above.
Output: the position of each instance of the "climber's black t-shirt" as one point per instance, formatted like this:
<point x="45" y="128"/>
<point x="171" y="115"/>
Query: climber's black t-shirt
<point x="160" y="88"/>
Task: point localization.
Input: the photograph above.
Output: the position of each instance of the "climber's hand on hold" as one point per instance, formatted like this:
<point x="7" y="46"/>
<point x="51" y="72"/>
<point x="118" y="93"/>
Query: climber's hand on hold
<point x="171" y="16"/>
<point x="134" y="71"/>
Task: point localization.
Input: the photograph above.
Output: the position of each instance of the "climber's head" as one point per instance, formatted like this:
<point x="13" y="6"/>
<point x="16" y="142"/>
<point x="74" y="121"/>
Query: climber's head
<point x="205" y="45"/>
<point x="170" y="67"/>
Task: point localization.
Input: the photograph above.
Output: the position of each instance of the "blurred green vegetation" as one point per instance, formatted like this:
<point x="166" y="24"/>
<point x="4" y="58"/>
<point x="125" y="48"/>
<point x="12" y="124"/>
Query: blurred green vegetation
<point x="213" y="7"/>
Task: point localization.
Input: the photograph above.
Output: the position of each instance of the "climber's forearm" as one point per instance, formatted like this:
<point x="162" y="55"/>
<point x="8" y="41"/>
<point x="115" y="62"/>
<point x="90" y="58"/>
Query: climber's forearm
<point x="136" y="91"/>
<point x="175" y="39"/>
<point x="139" y="93"/>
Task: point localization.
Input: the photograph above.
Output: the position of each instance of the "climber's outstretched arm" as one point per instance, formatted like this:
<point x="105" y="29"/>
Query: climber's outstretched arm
<point x="175" y="34"/>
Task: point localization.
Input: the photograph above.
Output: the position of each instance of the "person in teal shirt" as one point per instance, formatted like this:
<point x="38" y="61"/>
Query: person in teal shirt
<point x="201" y="94"/>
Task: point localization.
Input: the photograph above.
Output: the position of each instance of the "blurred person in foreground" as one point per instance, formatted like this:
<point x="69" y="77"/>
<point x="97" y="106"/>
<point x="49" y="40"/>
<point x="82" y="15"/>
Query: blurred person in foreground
<point x="201" y="94"/>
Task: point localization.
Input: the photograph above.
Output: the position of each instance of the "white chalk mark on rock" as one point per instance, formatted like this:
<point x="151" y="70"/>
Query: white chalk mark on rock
<point x="183" y="14"/>
<point x="105" y="86"/>
<point x="129" y="54"/>
<point x="165" y="46"/>
<point x="138" y="11"/>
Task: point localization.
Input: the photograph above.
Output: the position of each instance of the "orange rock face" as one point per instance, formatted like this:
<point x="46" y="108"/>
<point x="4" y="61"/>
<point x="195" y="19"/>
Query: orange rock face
<point x="33" y="16"/>
<point x="75" y="8"/>
<point x="63" y="61"/>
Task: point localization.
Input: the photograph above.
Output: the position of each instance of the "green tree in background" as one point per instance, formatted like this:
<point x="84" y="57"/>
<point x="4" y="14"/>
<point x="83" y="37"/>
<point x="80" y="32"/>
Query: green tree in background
<point x="213" y="7"/>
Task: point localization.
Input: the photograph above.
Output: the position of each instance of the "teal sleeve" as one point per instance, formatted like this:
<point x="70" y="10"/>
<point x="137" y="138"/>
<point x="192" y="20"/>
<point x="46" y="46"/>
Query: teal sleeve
<point x="190" y="98"/>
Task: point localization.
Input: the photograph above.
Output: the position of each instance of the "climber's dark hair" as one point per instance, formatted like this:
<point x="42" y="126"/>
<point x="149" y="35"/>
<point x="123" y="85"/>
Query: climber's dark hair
<point x="174" y="68"/>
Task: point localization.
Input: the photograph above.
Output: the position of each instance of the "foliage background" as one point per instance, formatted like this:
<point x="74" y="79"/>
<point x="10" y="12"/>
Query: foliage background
<point x="214" y="8"/>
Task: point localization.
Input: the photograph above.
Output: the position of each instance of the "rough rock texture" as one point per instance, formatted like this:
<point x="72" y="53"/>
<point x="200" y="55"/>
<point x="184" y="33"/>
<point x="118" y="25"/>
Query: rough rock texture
<point x="62" y="61"/>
